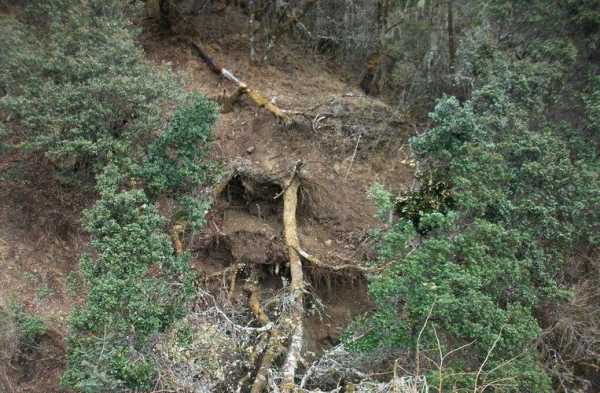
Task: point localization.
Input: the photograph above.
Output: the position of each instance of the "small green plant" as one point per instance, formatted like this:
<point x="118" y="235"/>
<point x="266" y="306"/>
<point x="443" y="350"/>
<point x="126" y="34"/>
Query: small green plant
<point x="29" y="327"/>
<point x="43" y="292"/>
<point x="74" y="284"/>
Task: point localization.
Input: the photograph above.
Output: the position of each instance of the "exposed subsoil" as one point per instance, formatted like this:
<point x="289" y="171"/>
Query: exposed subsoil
<point x="38" y="250"/>
<point x="358" y="140"/>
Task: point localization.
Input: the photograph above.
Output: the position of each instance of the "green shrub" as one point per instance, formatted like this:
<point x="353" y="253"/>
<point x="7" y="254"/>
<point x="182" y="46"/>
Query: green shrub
<point x="522" y="203"/>
<point x="21" y="331"/>
<point x="78" y="96"/>
<point x="29" y="327"/>
<point x="177" y="162"/>
<point x="137" y="286"/>
<point x="106" y="363"/>
<point x="76" y="89"/>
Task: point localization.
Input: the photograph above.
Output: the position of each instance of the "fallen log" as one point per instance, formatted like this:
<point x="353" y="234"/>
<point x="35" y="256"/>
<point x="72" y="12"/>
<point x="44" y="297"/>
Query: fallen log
<point x="295" y="321"/>
<point x="259" y="99"/>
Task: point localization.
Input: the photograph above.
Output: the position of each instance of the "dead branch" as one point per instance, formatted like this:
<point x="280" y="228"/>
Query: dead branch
<point x="348" y="267"/>
<point x="274" y="348"/>
<point x="259" y="99"/>
<point x="223" y="315"/>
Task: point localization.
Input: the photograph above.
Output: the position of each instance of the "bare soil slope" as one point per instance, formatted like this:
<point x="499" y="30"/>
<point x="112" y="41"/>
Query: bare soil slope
<point x="351" y="141"/>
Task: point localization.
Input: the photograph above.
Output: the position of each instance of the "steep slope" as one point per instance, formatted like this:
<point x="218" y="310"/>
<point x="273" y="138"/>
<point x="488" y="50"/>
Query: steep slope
<point x="348" y="141"/>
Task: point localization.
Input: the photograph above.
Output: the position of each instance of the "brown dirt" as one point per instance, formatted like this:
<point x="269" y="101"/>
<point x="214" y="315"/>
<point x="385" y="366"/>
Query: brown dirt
<point x="35" y="260"/>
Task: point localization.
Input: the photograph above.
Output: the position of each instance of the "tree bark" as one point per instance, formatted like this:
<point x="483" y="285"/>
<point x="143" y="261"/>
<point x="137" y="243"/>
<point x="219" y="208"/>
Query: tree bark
<point x="253" y="30"/>
<point x="290" y="202"/>
<point x="451" y="38"/>
<point x="176" y="232"/>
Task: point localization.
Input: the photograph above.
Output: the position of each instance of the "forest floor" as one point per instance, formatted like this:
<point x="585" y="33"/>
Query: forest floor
<point x="354" y="141"/>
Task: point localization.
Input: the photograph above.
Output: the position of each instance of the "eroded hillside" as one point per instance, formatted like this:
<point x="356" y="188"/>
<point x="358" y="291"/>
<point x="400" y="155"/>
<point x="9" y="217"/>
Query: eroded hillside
<point x="345" y="141"/>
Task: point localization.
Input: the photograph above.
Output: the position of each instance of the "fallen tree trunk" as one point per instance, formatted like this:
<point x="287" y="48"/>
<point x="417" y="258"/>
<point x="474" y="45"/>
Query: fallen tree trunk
<point x="296" y="341"/>
<point x="255" y="96"/>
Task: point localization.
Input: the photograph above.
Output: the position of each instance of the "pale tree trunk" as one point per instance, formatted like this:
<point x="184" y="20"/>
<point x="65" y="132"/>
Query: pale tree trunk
<point x="152" y="9"/>
<point x="290" y="202"/>
<point x="255" y="96"/>
<point x="434" y="42"/>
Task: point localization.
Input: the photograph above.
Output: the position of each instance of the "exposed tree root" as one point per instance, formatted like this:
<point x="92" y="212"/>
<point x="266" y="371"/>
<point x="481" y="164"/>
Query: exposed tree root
<point x="232" y="281"/>
<point x="253" y="291"/>
<point x="176" y="231"/>
<point x="336" y="268"/>
<point x="284" y="343"/>
<point x="274" y="348"/>
<point x="255" y="96"/>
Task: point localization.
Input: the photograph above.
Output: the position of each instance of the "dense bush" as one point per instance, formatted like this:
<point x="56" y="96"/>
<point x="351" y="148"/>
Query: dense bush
<point x="137" y="286"/>
<point x="525" y="199"/>
<point x="76" y="89"/>
<point x="177" y="163"/>
<point x="135" y="289"/>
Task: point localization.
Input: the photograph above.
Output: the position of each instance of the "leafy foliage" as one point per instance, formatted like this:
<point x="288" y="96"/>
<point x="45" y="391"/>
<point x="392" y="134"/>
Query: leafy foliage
<point x="134" y="291"/>
<point x="77" y="94"/>
<point x="138" y="287"/>
<point x="177" y="161"/>
<point x="523" y="203"/>
<point x="29" y="327"/>
<point x="76" y="88"/>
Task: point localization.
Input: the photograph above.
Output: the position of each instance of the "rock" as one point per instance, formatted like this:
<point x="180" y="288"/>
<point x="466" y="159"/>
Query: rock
<point x="250" y="150"/>
<point x="328" y="242"/>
